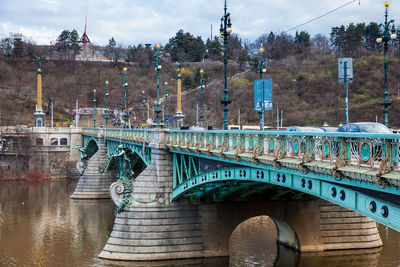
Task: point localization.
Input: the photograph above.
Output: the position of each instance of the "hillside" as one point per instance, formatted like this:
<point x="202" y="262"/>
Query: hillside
<point x="306" y="89"/>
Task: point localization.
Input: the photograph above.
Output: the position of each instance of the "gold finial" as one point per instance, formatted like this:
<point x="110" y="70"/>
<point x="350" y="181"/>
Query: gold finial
<point x="158" y="46"/>
<point x="387" y="4"/>
<point x="106" y="82"/>
<point x="125" y="68"/>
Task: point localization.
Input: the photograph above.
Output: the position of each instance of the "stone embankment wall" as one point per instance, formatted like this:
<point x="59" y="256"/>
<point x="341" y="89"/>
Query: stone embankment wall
<point x="46" y="150"/>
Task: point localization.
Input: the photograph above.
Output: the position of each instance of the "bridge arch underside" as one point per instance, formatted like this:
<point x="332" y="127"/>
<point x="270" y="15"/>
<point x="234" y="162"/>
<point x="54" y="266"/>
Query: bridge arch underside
<point x="136" y="162"/>
<point x="92" y="147"/>
<point x="306" y="204"/>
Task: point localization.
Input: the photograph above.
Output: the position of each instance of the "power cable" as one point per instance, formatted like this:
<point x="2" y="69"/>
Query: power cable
<point x="329" y="12"/>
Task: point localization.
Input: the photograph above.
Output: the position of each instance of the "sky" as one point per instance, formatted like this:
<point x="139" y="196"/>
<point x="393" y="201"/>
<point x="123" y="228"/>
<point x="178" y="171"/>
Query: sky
<point x="131" y="22"/>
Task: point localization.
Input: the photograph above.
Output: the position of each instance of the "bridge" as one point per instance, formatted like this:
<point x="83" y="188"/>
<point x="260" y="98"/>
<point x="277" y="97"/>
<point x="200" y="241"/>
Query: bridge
<point x="180" y="193"/>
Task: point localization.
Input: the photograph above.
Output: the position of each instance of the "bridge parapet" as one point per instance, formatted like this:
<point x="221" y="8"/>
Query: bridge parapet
<point x="361" y="156"/>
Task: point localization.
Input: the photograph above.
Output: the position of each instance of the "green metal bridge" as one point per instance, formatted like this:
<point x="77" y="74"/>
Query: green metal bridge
<point x="356" y="171"/>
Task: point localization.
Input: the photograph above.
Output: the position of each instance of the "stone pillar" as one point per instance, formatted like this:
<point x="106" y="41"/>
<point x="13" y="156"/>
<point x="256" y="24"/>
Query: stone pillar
<point x="95" y="182"/>
<point x="152" y="228"/>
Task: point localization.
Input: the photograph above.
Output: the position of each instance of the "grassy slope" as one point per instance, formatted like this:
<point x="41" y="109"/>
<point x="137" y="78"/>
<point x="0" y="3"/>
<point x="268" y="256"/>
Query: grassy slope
<point x="307" y="90"/>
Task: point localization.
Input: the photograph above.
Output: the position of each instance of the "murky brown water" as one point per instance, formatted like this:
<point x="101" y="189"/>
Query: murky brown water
<point x="41" y="226"/>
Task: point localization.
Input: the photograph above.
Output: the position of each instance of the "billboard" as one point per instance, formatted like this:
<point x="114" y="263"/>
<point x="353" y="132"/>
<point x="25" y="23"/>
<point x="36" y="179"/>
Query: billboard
<point x="263" y="89"/>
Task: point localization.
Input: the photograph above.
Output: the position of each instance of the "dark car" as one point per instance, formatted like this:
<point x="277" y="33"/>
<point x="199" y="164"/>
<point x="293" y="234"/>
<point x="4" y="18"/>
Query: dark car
<point x="365" y="127"/>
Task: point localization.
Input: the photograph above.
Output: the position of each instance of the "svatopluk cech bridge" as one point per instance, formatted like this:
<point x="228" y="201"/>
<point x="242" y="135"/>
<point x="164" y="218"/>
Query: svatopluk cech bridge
<point x="181" y="193"/>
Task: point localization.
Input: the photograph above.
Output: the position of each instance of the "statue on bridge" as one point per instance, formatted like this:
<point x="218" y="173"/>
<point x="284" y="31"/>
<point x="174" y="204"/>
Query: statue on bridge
<point x="121" y="158"/>
<point x="81" y="165"/>
<point x="39" y="60"/>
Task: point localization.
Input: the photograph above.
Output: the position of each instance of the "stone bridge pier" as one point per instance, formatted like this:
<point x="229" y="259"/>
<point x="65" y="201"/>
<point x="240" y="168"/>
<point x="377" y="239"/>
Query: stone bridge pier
<point x="94" y="183"/>
<point x="152" y="228"/>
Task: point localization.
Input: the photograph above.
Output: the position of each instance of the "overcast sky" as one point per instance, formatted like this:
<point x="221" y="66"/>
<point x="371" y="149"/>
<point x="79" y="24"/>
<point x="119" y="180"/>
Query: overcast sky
<point x="132" y="22"/>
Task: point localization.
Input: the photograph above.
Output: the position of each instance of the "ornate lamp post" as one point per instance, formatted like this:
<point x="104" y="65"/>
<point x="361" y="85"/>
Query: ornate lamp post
<point x="201" y="97"/>
<point x="261" y="70"/>
<point x="94" y="108"/>
<point x="158" y="68"/>
<point x="143" y="109"/>
<point x="225" y="30"/>
<point x="125" y="88"/>
<point x="106" y="116"/>
<point x="386" y="36"/>
<point x="166" y="101"/>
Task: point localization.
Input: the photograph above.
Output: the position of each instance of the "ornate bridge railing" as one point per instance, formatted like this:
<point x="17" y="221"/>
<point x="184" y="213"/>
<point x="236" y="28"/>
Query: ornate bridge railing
<point x="364" y="157"/>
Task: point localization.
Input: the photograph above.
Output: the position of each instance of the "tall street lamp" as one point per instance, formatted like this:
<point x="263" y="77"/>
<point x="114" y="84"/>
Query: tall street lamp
<point x="261" y="70"/>
<point x="166" y="102"/>
<point x="106" y="116"/>
<point x="385" y="37"/>
<point x="94" y="108"/>
<point x="143" y="109"/>
<point x="158" y="68"/>
<point x="201" y="97"/>
<point x="125" y="88"/>
<point x="225" y="30"/>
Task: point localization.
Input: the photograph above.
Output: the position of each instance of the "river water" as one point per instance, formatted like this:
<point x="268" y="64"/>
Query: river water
<point x="41" y="226"/>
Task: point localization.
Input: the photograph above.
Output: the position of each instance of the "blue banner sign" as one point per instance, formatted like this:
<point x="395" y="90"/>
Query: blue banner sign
<point x="263" y="89"/>
<point x="345" y="72"/>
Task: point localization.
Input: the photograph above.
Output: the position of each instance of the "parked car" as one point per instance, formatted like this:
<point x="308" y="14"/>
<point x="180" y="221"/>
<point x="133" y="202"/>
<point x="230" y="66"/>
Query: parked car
<point x="305" y="129"/>
<point x="329" y="129"/>
<point x="365" y="127"/>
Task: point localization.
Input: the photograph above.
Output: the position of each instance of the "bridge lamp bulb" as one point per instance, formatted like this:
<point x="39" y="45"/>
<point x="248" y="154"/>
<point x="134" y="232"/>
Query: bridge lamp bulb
<point x="125" y="84"/>
<point x="166" y="83"/>
<point x="201" y="71"/>
<point x="229" y="30"/>
<point x="107" y="82"/>
<point x="387" y="4"/>
<point x="106" y="94"/>
<point x="264" y="70"/>
<point x="261" y="50"/>
<point x="125" y="68"/>
<point x="158" y="46"/>
<point x="379" y="40"/>
<point x="159" y="67"/>
<point x="393" y="36"/>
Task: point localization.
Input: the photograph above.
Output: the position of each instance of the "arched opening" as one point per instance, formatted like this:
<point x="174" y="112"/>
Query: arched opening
<point x="39" y="141"/>
<point x="91" y="148"/>
<point x="54" y="141"/>
<point x="264" y="241"/>
<point x="63" y="141"/>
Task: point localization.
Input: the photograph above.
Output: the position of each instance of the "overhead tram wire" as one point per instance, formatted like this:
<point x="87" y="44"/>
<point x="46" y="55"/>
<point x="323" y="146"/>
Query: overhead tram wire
<point x="327" y="13"/>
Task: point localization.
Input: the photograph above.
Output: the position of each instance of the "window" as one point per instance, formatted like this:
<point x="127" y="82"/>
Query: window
<point x="54" y="141"/>
<point x="63" y="142"/>
<point x="39" y="141"/>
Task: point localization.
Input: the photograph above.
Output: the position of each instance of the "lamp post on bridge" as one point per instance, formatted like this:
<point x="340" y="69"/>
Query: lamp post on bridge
<point x="125" y="88"/>
<point x="385" y="37"/>
<point x="106" y="116"/>
<point x="94" y="108"/>
<point x="225" y="30"/>
<point x="158" y="68"/>
<point x="165" y="102"/>
<point x="201" y="97"/>
<point x="261" y="70"/>
<point x="143" y="109"/>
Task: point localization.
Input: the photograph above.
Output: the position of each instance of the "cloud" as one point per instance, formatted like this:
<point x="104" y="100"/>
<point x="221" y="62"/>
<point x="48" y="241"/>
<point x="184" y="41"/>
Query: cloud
<point x="152" y="21"/>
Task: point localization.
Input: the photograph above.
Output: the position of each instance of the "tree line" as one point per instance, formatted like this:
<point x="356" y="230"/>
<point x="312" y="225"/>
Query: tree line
<point x="351" y="40"/>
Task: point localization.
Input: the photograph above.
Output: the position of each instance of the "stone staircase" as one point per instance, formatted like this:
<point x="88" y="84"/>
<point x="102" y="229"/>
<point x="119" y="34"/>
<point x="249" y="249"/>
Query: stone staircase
<point x="95" y="184"/>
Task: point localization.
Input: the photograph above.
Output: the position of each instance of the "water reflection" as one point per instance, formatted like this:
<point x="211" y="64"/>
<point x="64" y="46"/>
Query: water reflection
<point x="41" y="226"/>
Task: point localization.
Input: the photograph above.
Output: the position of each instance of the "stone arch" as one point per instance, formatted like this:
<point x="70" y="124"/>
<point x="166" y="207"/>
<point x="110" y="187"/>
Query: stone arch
<point x="285" y="234"/>
<point x="137" y="162"/>
<point x="92" y="147"/>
